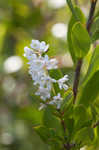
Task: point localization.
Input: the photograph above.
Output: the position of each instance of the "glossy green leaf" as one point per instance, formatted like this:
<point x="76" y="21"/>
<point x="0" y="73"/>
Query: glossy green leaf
<point x="80" y="40"/>
<point x="56" y="74"/>
<point x="71" y="23"/>
<point x="31" y="114"/>
<point x="90" y="91"/>
<point x="95" y="36"/>
<point x="69" y="2"/>
<point x="66" y="99"/>
<point x="80" y="112"/>
<point x="68" y="109"/>
<point x="81" y="117"/>
<point x="95" y="30"/>
<point x="84" y="136"/>
<point x="98" y="131"/>
<point x="68" y="119"/>
<point x="51" y="121"/>
<point x="69" y="122"/>
<point x="43" y="132"/>
<point x="94" y="65"/>
<point x="47" y="135"/>
<point x="94" y="112"/>
<point x="95" y="25"/>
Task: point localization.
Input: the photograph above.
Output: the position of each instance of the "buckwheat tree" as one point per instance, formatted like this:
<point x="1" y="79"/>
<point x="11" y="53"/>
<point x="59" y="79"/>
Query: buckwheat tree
<point x="70" y="114"/>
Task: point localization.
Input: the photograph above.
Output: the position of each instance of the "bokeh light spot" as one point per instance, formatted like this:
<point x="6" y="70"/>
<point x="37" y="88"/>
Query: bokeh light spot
<point x="13" y="64"/>
<point x="56" y="3"/>
<point x="59" y="30"/>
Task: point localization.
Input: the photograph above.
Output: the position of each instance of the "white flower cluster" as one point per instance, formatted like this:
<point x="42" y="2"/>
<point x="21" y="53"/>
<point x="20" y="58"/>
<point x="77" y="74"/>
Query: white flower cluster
<point x="39" y="64"/>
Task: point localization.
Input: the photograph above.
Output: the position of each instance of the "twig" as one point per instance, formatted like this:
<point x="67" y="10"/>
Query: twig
<point x="79" y="64"/>
<point x="67" y="145"/>
<point x="76" y="80"/>
<point x="63" y="124"/>
<point x="91" y="13"/>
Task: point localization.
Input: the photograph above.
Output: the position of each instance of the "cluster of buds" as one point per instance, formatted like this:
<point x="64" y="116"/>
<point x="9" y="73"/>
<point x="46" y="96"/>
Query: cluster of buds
<point x="39" y="66"/>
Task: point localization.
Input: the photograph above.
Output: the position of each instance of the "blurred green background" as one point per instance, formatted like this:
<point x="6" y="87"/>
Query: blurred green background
<point x="20" y="22"/>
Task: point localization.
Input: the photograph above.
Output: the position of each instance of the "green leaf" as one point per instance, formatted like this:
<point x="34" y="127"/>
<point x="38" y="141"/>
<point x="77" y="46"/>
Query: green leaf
<point x="90" y="91"/>
<point x="68" y="109"/>
<point x="84" y="136"/>
<point x="80" y="113"/>
<point x="43" y="132"/>
<point x="97" y="13"/>
<point x="81" y="117"/>
<point x="95" y="36"/>
<point x="31" y="114"/>
<point x="69" y="122"/>
<point x="98" y="131"/>
<point x="68" y="118"/>
<point x="72" y="9"/>
<point x="95" y="25"/>
<point x="49" y="136"/>
<point x="51" y="121"/>
<point x="71" y="23"/>
<point x="80" y="40"/>
<point x="66" y="99"/>
<point x="56" y="74"/>
<point x="95" y="30"/>
<point x="94" y="112"/>
<point x="94" y="64"/>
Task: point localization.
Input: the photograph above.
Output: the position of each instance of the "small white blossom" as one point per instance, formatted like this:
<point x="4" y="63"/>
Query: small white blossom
<point x="58" y="97"/>
<point x="47" y="81"/>
<point x="50" y="63"/>
<point x="62" y="81"/>
<point x="35" y="45"/>
<point x="39" y="46"/>
<point x="43" y="92"/>
<point x="56" y="101"/>
<point x="38" y="69"/>
<point x="43" y="47"/>
<point x="37" y="64"/>
<point x="27" y="52"/>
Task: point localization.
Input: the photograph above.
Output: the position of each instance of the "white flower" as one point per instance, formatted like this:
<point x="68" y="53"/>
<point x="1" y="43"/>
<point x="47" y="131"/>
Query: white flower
<point x="31" y="58"/>
<point x="37" y="64"/>
<point x="47" y="81"/>
<point x="58" y="97"/>
<point x="35" y="44"/>
<point x="62" y="81"/>
<point x="50" y="63"/>
<point x="43" y="47"/>
<point x="36" y="76"/>
<point x="39" y="46"/>
<point x="27" y="52"/>
<point x="43" y="92"/>
<point x="56" y="101"/>
<point x="38" y="69"/>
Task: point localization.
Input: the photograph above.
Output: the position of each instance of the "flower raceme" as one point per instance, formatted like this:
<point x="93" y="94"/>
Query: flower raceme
<point x="39" y="65"/>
